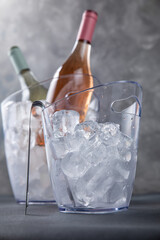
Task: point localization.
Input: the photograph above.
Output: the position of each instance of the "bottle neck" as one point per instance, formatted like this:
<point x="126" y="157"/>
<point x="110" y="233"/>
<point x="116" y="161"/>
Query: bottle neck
<point x="83" y="49"/>
<point x="26" y="78"/>
<point x="18" y="60"/>
<point x="27" y="74"/>
<point x="87" y="26"/>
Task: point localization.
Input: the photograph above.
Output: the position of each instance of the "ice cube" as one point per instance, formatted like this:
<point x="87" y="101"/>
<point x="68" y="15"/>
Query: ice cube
<point x="86" y="188"/>
<point x="64" y="121"/>
<point x="87" y="129"/>
<point x="122" y="170"/>
<point x="58" y="146"/>
<point x="37" y="161"/>
<point x="111" y="129"/>
<point x="74" y="142"/>
<point x="125" y="147"/>
<point x="128" y="156"/>
<point x="38" y="154"/>
<point x="117" y="194"/>
<point x="74" y="165"/>
<point x="95" y="154"/>
<point x="126" y="140"/>
<point x="60" y="183"/>
<point x="18" y="112"/>
<point x="112" y="154"/>
<point x="109" y="133"/>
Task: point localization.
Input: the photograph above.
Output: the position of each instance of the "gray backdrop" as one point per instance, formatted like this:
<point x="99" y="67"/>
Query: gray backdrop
<point x="126" y="45"/>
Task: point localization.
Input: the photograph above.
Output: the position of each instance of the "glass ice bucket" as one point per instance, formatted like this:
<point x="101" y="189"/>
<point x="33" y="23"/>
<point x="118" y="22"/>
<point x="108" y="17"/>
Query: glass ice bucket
<point x="92" y="151"/>
<point x="15" y="115"/>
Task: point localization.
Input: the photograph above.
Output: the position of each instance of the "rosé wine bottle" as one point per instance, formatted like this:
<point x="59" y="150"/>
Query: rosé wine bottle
<point x="76" y="68"/>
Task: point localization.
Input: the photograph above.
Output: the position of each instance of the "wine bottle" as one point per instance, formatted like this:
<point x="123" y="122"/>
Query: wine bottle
<point x="78" y="63"/>
<point x="26" y="77"/>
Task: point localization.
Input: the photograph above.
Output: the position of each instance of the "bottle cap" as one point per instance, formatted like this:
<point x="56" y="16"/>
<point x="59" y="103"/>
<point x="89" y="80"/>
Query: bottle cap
<point x="17" y="59"/>
<point x="86" y="29"/>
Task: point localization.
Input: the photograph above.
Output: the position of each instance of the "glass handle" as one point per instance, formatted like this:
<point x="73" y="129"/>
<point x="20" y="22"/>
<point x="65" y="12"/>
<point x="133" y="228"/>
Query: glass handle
<point x="128" y="105"/>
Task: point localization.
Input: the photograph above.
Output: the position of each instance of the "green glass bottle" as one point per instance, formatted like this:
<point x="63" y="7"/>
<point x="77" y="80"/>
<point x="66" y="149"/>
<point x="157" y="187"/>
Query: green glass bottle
<point x="26" y="77"/>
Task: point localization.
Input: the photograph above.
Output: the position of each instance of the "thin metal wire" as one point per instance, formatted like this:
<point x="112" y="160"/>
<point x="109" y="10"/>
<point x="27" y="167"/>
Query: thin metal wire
<point x="28" y="165"/>
<point x="39" y="104"/>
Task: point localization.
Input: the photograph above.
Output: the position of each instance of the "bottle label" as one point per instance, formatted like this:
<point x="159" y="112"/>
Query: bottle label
<point x="87" y="26"/>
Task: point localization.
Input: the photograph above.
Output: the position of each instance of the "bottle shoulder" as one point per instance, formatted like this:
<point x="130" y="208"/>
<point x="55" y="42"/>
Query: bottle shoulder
<point x="28" y="77"/>
<point x="78" y="61"/>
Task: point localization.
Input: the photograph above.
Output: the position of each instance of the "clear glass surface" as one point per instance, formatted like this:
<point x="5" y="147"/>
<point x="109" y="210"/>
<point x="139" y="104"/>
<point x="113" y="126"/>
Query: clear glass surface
<point x="92" y="163"/>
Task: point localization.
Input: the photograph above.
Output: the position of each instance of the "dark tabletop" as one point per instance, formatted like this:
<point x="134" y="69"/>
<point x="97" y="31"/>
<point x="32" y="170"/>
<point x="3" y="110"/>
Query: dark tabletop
<point x="141" y="221"/>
